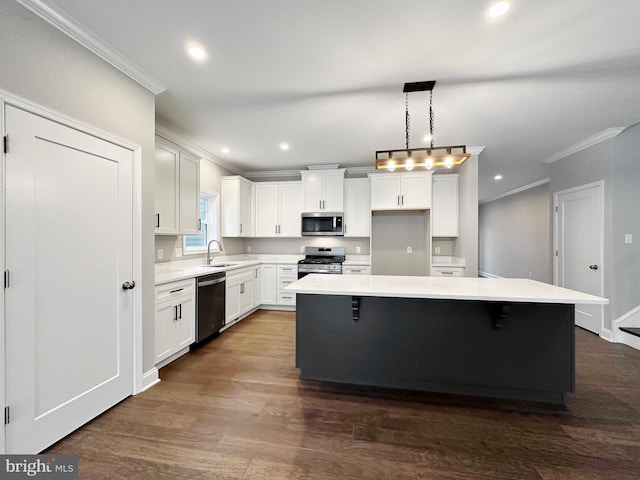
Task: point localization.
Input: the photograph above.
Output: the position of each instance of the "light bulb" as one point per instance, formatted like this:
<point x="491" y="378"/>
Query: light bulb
<point x="427" y="138"/>
<point x="197" y="53"/>
<point x="408" y="164"/>
<point x="448" y="162"/>
<point x="428" y="163"/>
<point x="498" y="9"/>
<point x="284" y="146"/>
<point x="498" y="177"/>
<point x="225" y="150"/>
<point x="391" y="165"/>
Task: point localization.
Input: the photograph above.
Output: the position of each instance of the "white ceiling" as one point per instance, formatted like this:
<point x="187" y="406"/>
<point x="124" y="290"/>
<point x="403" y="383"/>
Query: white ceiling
<point x="326" y="76"/>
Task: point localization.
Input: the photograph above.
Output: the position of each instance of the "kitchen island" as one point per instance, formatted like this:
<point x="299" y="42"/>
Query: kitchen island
<point x="503" y="338"/>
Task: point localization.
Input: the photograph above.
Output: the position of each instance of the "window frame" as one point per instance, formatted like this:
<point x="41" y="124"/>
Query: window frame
<point x="214" y="197"/>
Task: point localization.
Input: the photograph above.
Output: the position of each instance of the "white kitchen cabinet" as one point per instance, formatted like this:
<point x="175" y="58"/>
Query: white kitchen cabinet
<point x="400" y="191"/>
<point x="356" y="270"/>
<point x="269" y="284"/>
<point x="177" y="191"/>
<point x="286" y="275"/>
<point x="277" y="207"/>
<point x="447" y="271"/>
<point x="323" y="190"/>
<point x="236" y="207"/>
<point x="175" y="318"/>
<point x="444" y="213"/>
<point x="240" y="295"/>
<point x="357" y="213"/>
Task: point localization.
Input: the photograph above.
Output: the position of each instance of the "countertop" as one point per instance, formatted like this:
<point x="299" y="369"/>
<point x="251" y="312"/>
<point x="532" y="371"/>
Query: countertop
<point x="453" y="288"/>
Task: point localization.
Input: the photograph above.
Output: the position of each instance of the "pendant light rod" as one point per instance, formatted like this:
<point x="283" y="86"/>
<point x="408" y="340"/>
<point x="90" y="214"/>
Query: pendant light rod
<point x="419" y="86"/>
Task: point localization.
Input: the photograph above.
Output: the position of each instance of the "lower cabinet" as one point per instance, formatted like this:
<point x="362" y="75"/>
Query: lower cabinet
<point x="242" y="292"/>
<point x="447" y="271"/>
<point x="275" y="277"/>
<point x="175" y="318"/>
<point x="356" y="270"/>
<point x="269" y="284"/>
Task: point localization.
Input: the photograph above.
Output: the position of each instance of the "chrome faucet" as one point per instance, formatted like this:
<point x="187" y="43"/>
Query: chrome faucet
<point x="209" y="257"/>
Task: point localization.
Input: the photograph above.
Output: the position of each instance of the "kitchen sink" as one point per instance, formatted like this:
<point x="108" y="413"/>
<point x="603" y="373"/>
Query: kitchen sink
<point x="221" y="265"/>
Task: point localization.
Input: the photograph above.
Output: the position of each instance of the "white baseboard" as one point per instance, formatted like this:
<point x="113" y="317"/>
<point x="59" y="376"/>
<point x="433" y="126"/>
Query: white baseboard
<point x="628" y="339"/>
<point x="629" y="319"/>
<point x="607" y="335"/>
<point x="149" y="379"/>
<point x="488" y="275"/>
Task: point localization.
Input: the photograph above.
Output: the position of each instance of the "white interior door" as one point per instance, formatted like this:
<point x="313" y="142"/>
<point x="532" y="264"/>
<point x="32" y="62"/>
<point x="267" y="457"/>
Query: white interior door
<point x="579" y="237"/>
<point x="68" y="250"/>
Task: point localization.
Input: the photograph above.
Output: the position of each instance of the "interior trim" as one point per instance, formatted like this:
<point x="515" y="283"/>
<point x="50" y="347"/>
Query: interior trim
<point x="68" y="25"/>
<point x="584" y="144"/>
<point x="517" y="190"/>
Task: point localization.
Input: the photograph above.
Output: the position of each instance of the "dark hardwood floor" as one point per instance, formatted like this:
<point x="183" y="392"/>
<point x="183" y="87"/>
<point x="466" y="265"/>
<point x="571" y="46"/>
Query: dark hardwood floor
<point x="235" y="409"/>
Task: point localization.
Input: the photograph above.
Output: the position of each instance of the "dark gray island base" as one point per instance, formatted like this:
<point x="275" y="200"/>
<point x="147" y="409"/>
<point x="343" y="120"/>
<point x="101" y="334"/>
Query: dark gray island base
<point x="513" y="350"/>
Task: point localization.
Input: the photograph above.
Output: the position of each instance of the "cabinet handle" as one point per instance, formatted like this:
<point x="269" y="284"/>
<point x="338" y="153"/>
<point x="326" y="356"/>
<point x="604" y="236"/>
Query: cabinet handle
<point x="180" y="314"/>
<point x="175" y="313"/>
<point x="176" y="290"/>
<point x="446" y="273"/>
<point x="276" y="227"/>
<point x="157" y="220"/>
<point x="240" y="228"/>
<point x="401" y="199"/>
<point x="398" y="200"/>
<point x="353" y="270"/>
<point x="242" y="288"/>
<point x="199" y="224"/>
<point x="256" y="273"/>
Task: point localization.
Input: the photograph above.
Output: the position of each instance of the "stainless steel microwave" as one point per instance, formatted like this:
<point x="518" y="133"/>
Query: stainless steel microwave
<point x="322" y="223"/>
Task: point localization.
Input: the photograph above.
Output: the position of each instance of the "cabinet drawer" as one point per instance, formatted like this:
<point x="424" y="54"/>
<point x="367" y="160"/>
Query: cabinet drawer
<point x="285" y="281"/>
<point x="357" y="270"/>
<point x="290" y="269"/>
<point x="286" y="298"/>
<point x="241" y="275"/>
<point x="169" y="291"/>
<point x="447" y="272"/>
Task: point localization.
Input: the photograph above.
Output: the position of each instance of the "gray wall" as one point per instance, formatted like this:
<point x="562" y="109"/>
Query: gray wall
<point x="391" y="234"/>
<point x="587" y="166"/>
<point x="515" y="235"/>
<point x="626" y="202"/>
<point x="43" y="65"/>
<point x="466" y="245"/>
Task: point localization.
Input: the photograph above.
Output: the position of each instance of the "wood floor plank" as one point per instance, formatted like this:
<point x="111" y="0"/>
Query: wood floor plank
<point x="236" y="409"/>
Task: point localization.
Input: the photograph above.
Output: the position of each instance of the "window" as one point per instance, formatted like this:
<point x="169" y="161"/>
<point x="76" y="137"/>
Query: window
<point x="208" y="226"/>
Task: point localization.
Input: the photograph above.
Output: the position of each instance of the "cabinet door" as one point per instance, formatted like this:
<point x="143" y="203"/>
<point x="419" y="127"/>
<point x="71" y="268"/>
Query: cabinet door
<point x="257" y="287"/>
<point x="189" y="195"/>
<point x="415" y="191"/>
<point x="269" y="285"/>
<point x="166" y="190"/>
<point x="290" y="213"/>
<point x="246" y="295"/>
<point x="185" y="333"/>
<point x="232" y="302"/>
<point x="313" y="191"/>
<point x="165" y="330"/>
<point x="385" y="191"/>
<point x="245" y="209"/>
<point x="444" y="213"/>
<point x="267" y="199"/>
<point x="357" y="215"/>
<point x="333" y="195"/>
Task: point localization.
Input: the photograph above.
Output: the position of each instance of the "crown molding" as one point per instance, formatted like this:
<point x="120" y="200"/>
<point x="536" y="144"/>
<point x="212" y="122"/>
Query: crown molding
<point x="359" y="171"/>
<point x="475" y="150"/>
<point x="295" y="174"/>
<point x="196" y="150"/>
<point x="584" y="144"/>
<point x="68" y="25"/>
<point x="517" y="190"/>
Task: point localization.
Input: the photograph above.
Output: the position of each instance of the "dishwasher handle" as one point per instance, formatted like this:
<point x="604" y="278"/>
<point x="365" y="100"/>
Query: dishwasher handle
<point x="210" y="282"/>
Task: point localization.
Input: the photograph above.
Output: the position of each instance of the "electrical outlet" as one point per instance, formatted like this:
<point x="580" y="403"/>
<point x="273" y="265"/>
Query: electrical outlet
<point x="178" y="252"/>
<point x="160" y="254"/>
<point x="628" y="238"/>
<point x="358" y="250"/>
<point x="437" y="250"/>
<point x="248" y="248"/>
<point x="301" y="248"/>
<point x="530" y="274"/>
<point x="409" y="250"/>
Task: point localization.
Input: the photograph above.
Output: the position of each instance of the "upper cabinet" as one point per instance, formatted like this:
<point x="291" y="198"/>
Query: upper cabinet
<point x="357" y="214"/>
<point x="323" y="190"/>
<point x="400" y="191"/>
<point x="445" y="206"/>
<point x="236" y="207"/>
<point x="177" y="190"/>
<point x="277" y="207"/>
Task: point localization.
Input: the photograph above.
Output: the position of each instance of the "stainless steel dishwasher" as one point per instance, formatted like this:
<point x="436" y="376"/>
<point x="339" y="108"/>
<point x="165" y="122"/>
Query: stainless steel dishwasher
<point x="210" y="310"/>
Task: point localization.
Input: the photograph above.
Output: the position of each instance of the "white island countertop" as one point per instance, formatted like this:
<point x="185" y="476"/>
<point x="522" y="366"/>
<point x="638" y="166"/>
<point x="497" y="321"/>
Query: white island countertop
<point x="459" y="288"/>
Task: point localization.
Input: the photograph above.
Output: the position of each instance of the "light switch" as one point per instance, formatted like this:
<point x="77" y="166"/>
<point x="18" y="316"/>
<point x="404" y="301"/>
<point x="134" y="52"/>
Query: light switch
<point x="301" y="248"/>
<point x="178" y="252"/>
<point x="437" y="250"/>
<point x="160" y="254"/>
<point x="628" y="238"/>
<point x="409" y="250"/>
<point x="357" y="248"/>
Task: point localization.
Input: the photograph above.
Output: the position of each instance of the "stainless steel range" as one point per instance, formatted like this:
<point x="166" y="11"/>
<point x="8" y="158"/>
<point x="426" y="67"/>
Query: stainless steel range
<point x="321" y="260"/>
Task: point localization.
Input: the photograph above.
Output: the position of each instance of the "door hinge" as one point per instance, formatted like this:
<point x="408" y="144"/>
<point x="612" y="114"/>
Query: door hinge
<point x="556" y="253"/>
<point x="6" y="279"/>
<point x="7" y="416"/>
<point x="556" y="209"/>
<point x="6" y="144"/>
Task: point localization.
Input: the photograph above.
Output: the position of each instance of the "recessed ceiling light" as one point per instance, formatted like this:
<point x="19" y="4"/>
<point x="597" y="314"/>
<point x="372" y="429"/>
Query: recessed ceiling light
<point x="284" y="146"/>
<point x="225" y="150"/>
<point x="498" y="177"/>
<point x="197" y="52"/>
<point x="499" y="8"/>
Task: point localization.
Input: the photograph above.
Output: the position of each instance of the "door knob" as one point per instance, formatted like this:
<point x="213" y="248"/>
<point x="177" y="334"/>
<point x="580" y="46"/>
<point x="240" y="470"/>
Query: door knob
<point x="128" y="285"/>
<point x="593" y="267"/>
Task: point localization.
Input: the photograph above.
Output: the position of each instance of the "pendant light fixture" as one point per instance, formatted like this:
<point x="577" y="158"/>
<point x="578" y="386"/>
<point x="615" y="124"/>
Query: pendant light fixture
<point x="421" y="157"/>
